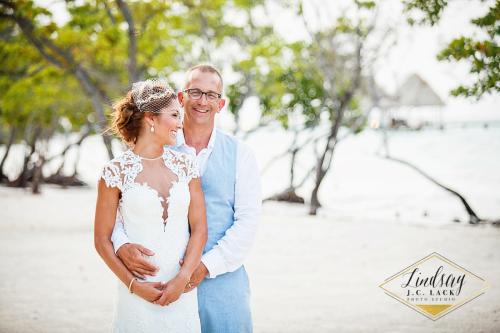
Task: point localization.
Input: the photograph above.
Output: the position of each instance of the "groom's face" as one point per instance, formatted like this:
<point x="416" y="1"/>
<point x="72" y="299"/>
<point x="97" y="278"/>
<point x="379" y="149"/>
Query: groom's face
<point x="202" y="111"/>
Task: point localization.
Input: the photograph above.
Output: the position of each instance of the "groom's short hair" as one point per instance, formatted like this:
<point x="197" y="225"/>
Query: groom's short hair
<point x="205" y="68"/>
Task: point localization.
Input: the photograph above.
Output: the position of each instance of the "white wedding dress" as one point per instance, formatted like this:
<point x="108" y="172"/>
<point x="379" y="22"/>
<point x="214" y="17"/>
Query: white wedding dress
<point x="154" y="208"/>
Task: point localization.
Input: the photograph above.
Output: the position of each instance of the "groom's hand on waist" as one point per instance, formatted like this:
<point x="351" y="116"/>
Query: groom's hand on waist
<point x="132" y="256"/>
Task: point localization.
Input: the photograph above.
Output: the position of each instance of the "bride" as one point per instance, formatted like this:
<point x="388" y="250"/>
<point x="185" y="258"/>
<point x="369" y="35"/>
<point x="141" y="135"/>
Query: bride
<point x="157" y="192"/>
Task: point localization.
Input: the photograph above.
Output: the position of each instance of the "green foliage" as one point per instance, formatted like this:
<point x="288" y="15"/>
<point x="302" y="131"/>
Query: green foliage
<point x="171" y="36"/>
<point x="482" y="55"/>
<point x="305" y="79"/>
<point x="43" y="97"/>
<point x="259" y="50"/>
<point x="365" y="4"/>
<point x="424" y="11"/>
<point x="484" y="60"/>
<point x="292" y="85"/>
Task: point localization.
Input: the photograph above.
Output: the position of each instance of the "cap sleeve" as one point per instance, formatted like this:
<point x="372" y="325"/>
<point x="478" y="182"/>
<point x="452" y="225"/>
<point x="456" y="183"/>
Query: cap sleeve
<point x="193" y="170"/>
<point x="182" y="164"/>
<point x="111" y="175"/>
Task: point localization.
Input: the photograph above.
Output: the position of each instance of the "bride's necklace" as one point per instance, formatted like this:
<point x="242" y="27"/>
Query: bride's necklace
<point x="148" y="159"/>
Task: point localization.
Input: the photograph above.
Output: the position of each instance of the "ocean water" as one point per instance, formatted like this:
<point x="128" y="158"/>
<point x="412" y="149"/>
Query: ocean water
<point x="361" y="185"/>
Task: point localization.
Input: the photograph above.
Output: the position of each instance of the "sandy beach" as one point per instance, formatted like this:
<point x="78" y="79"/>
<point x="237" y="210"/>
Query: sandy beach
<point x="307" y="274"/>
<point x="382" y="114"/>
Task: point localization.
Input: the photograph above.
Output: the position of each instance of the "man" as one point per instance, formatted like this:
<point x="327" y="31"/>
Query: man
<point x="230" y="182"/>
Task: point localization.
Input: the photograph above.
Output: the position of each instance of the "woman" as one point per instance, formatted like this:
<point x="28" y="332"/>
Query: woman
<point x="158" y="193"/>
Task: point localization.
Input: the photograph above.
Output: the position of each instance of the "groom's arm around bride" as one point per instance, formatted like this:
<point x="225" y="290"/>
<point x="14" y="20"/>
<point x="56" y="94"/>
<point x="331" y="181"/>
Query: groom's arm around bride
<point x="231" y="185"/>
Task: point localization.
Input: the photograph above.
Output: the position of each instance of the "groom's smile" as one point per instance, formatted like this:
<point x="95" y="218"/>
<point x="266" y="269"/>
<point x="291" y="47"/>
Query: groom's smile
<point x="201" y="110"/>
<point x="198" y="99"/>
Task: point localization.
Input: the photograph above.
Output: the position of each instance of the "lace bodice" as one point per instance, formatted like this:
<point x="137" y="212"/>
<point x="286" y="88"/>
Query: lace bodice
<point x="154" y="208"/>
<point x="122" y="171"/>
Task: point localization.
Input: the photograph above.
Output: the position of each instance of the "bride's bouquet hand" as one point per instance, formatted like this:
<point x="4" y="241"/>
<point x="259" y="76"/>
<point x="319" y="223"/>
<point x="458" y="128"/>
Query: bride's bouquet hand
<point x="150" y="291"/>
<point x="172" y="290"/>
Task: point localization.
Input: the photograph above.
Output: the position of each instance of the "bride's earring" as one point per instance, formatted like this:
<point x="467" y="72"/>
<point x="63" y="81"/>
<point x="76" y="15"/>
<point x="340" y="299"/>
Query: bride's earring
<point x="152" y="129"/>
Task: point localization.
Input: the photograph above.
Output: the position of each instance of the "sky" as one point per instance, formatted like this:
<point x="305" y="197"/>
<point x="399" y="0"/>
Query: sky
<point x="414" y="52"/>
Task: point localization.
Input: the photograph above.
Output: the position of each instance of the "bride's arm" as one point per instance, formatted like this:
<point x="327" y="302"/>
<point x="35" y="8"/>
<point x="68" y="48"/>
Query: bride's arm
<point x="198" y="224"/>
<point x="105" y="215"/>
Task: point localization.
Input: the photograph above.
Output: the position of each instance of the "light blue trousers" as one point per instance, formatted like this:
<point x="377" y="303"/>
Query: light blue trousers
<point x="224" y="303"/>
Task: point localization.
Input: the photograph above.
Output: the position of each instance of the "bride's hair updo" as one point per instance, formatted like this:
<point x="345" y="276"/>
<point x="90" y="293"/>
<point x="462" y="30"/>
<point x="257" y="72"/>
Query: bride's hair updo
<point x="128" y="113"/>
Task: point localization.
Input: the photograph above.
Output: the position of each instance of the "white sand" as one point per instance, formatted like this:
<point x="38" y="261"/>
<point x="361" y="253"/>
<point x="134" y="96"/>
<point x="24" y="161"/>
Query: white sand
<point x="307" y="274"/>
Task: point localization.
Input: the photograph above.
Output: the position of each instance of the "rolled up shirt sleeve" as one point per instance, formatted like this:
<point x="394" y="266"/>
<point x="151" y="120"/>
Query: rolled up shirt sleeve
<point x="232" y="249"/>
<point x="119" y="236"/>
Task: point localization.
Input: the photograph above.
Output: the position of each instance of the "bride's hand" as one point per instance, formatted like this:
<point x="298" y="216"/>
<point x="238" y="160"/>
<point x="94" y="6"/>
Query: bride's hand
<point x="172" y="290"/>
<point x="150" y="291"/>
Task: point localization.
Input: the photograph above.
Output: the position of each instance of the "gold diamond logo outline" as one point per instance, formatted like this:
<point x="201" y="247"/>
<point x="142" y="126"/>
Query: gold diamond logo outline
<point x="453" y="307"/>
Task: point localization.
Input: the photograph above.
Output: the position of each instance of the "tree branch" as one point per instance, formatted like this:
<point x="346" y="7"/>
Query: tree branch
<point x="473" y="218"/>
<point x="97" y="96"/>
<point x="108" y="12"/>
<point x="132" y="41"/>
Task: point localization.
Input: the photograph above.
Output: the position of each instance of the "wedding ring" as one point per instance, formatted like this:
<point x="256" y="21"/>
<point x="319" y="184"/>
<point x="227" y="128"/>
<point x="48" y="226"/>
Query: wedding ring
<point x="189" y="285"/>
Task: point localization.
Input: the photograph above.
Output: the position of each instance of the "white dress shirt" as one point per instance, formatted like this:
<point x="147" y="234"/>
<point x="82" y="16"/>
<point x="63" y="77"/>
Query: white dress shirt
<point x="232" y="249"/>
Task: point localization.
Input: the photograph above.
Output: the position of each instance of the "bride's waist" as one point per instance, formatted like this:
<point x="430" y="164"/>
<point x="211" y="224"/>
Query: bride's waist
<point x="160" y="245"/>
<point x="168" y="266"/>
<point x="157" y="235"/>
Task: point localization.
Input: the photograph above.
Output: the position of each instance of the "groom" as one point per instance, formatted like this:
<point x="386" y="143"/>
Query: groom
<point x="230" y="182"/>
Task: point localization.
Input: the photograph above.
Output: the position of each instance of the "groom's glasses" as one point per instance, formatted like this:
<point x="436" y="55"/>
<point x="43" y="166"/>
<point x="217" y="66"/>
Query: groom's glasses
<point x="197" y="93"/>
